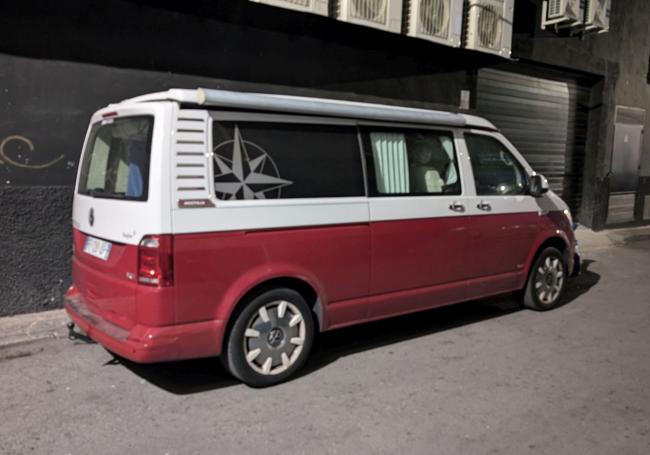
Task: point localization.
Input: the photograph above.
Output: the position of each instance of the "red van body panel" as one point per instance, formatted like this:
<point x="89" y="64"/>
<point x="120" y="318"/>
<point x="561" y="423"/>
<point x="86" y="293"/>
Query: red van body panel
<point x="214" y="271"/>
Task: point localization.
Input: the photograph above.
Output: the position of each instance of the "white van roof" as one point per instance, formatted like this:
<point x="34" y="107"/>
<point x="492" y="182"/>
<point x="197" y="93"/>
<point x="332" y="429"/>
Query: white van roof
<point x="313" y="106"/>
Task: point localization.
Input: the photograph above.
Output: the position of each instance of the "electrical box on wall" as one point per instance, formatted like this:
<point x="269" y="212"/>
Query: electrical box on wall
<point x="382" y="14"/>
<point x="489" y="26"/>
<point x="306" y="6"/>
<point x="440" y="21"/>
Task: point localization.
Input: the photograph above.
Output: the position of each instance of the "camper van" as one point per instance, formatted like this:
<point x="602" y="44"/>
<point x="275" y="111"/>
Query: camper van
<point x="240" y="225"/>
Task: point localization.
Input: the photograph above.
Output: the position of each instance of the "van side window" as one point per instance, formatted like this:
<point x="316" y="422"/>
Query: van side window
<point x="255" y="160"/>
<point x="412" y="162"/>
<point x="496" y="171"/>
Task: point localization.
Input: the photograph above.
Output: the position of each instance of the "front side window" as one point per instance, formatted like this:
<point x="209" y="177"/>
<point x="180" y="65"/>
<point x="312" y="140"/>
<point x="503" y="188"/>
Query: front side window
<point x="116" y="160"/>
<point x="413" y="162"/>
<point x="496" y="171"/>
<point x="255" y="160"/>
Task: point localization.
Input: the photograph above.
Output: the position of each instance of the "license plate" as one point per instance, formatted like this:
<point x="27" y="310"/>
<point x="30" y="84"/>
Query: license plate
<point x="98" y="248"/>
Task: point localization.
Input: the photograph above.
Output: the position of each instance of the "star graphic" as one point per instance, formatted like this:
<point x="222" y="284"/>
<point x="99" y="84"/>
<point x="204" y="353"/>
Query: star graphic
<point x="243" y="177"/>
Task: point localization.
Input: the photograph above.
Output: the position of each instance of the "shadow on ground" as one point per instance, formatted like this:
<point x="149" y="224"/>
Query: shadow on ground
<point x="193" y="376"/>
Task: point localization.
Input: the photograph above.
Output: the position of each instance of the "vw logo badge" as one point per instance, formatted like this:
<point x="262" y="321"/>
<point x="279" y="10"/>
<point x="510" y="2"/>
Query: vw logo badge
<point x="91" y="216"/>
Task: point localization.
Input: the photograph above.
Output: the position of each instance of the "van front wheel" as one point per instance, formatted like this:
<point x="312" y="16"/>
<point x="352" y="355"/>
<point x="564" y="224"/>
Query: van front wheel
<point x="270" y="338"/>
<point x="546" y="281"/>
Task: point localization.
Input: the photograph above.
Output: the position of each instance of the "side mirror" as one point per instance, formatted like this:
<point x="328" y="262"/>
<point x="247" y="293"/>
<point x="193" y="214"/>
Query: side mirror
<point x="538" y="185"/>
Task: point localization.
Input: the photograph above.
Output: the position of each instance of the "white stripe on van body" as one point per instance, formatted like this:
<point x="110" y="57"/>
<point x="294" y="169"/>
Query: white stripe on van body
<point x="270" y="214"/>
<point x="294" y="213"/>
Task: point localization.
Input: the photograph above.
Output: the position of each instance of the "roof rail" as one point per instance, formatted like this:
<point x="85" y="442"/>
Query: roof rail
<point x="313" y="106"/>
<point x="326" y="107"/>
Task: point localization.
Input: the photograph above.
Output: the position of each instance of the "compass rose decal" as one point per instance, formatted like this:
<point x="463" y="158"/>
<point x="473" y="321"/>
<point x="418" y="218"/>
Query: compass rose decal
<point x="245" y="171"/>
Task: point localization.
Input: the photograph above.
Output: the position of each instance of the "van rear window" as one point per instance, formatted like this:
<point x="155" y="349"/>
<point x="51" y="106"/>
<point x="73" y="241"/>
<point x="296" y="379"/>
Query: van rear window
<point x="116" y="160"/>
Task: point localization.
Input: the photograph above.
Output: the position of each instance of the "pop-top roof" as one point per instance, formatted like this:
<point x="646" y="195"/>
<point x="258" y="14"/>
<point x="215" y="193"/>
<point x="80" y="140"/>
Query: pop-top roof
<point x="313" y="106"/>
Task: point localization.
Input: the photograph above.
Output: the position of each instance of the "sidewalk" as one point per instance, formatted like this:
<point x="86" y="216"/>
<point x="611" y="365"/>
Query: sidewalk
<point x="26" y="328"/>
<point x="589" y="240"/>
<point x="52" y="324"/>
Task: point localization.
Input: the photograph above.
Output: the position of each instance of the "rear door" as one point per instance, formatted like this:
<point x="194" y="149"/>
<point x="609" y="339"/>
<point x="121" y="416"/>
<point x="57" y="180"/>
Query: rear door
<point x="417" y="217"/>
<point x="117" y="201"/>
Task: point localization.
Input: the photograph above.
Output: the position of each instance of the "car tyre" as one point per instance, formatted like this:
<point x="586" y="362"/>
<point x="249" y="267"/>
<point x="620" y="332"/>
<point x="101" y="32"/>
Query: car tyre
<point x="270" y="338"/>
<point x="546" y="281"/>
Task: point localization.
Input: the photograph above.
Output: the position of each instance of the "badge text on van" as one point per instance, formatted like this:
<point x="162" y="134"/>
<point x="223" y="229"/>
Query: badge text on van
<point x="194" y="203"/>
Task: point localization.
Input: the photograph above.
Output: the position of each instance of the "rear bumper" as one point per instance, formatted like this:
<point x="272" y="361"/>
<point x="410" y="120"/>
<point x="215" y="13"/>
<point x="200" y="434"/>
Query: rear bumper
<point x="145" y="344"/>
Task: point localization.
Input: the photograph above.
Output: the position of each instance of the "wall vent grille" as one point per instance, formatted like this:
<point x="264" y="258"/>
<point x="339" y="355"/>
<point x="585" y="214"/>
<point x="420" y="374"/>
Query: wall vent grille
<point x="489" y="26"/>
<point x="369" y="10"/>
<point x="554" y="8"/>
<point x="434" y="18"/>
<point x="440" y="21"/>
<point x="381" y="14"/>
<point x="308" y="6"/>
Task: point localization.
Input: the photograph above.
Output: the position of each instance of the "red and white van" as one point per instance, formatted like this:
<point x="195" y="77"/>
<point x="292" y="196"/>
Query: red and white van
<point x="217" y="223"/>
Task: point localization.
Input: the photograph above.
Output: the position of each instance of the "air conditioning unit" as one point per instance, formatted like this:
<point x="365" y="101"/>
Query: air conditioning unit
<point x="440" y="21"/>
<point x="382" y="14"/>
<point x="597" y="15"/>
<point x="306" y="6"/>
<point x="562" y="13"/>
<point x="489" y="26"/>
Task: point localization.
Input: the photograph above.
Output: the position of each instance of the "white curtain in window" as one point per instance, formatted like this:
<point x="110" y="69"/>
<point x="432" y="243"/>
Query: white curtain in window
<point x="451" y="176"/>
<point x="391" y="163"/>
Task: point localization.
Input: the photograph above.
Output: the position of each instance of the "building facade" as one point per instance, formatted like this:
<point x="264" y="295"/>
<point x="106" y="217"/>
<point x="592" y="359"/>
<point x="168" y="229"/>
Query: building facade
<point x="575" y="106"/>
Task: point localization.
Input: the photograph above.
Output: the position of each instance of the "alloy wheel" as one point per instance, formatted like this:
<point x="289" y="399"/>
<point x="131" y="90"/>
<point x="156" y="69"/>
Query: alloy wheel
<point x="549" y="279"/>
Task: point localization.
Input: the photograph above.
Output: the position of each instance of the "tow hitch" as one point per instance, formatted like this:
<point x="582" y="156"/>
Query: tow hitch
<point x="74" y="335"/>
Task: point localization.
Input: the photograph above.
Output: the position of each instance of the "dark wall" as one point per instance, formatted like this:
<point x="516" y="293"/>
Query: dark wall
<point x="35" y="246"/>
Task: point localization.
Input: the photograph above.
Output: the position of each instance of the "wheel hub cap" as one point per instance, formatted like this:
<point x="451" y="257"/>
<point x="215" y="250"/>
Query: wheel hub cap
<point x="549" y="280"/>
<point x="274" y="337"/>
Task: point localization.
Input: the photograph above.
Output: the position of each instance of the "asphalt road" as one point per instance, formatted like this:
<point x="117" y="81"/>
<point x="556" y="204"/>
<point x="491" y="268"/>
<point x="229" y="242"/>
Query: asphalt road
<point x="476" y="378"/>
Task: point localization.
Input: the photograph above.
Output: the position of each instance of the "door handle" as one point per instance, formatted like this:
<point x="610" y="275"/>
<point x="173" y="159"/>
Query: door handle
<point x="484" y="206"/>
<point x="457" y="207"/>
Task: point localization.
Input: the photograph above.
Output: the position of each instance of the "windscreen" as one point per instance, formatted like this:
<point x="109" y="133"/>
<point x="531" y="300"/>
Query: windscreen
<point x="116" y="160"/>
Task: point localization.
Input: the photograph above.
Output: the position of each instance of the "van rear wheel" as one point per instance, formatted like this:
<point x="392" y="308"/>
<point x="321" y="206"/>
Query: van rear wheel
<point x="546" y="280"/>
<point x="270" y="338"/>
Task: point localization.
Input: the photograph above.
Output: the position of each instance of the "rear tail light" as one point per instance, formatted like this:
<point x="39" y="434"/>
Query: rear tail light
<point x="155" y="261"/>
